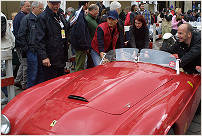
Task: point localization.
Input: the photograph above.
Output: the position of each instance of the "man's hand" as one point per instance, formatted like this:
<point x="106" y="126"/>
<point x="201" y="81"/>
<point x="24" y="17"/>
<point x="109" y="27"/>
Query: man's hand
<point x="176" y="56"/>
<point x="105" y="61"/>
<point x="198" y="68"/>
<point x="125" y="43"/>
<point x="181" y="70"/>
<point x="102" y="56"/>
<point x="46" y="62"/>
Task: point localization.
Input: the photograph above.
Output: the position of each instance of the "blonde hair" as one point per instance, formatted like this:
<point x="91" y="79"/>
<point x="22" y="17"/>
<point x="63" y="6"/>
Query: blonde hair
<point x="177" y="9"/>
<point x="13" y="14"/>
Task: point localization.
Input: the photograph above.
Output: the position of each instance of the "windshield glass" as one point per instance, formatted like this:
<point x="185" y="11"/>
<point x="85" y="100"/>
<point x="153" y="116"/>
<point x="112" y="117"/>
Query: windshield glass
<point x="122" y="54"/>
<point x="157" y="57"/>
<point x="146" y="55"/>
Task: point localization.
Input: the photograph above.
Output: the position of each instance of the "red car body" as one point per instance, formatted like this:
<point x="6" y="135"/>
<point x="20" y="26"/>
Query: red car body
<point x="122" y="98"/>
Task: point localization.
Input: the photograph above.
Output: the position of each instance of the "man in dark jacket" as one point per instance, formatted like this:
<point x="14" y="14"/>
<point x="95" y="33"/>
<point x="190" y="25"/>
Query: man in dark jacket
<point x="80" y="37"/>
<point x="51" y="40"/>
<point x="101" y="8"/>
<point x="134" y="13"/>
<point x="26" y="36"/>
<point x="21" y="77"/>
<point x="188" y="48"/>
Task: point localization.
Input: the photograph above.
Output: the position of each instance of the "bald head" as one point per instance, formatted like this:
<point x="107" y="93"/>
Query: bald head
<point x="185" y="33"/>
<point x="186" y="26"/>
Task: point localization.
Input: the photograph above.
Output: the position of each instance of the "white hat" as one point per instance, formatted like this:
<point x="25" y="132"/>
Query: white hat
<point x="115" y="5"/>
<point x="167" y="35"/>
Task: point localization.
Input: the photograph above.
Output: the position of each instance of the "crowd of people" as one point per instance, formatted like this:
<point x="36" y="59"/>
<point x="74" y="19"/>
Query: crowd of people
<point x="43" y="36"/>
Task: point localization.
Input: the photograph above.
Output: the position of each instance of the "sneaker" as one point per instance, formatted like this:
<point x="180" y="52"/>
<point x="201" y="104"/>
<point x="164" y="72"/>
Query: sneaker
<point x="23" y="87"/>
<point x="4" y="100"/>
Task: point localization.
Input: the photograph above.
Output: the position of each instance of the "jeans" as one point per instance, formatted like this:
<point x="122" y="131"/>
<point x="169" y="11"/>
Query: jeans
<point x="96" y="57"/>
<point x="34" y="69"/>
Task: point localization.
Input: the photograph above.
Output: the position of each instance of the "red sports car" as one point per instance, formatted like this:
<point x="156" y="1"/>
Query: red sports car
<point x="137" y="93"/>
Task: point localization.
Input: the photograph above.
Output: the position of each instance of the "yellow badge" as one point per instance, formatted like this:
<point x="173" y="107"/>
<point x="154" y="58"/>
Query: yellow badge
<point x="53" y="123"/>
<point x="63" y="34"/>
<point x="190" y="84"/>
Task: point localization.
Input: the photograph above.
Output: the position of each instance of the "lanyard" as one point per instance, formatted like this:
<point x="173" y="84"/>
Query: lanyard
<point x="59" y="22"/>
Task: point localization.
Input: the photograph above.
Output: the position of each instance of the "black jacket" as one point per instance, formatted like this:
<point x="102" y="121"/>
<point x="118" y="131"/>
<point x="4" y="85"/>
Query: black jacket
<point x="27" y="33"/>
<point x="190" y="56"/>
<point x="80" y="36"/>
<point x="16" y="26"/>
<point x="49" y="39"/>
<point x="132" y="16"/>
<point x="139" y="38"/>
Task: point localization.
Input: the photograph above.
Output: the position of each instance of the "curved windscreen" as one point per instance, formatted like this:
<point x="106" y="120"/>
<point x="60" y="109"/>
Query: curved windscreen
<point x="157" y="57"/>
<point x="123" y="54"/>
<point x="146" y="55"/>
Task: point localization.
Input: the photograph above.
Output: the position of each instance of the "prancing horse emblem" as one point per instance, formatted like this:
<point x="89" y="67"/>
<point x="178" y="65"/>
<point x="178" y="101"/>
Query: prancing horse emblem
<point x="53" y="123"/>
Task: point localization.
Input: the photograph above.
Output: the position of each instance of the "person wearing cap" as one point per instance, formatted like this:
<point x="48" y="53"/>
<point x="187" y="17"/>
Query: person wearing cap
<point x="105" y="38"/>
<point x="51" y="40"/>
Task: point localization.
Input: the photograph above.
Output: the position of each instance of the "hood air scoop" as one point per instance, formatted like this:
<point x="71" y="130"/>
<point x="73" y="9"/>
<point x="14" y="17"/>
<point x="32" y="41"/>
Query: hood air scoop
<point x="77" y="98"/>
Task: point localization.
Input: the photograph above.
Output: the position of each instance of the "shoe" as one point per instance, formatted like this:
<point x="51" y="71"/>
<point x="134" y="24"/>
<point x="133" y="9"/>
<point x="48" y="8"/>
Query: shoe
<point x="17" y="84"/>
<point x="23" y="87"/>
<point x="4" y="100"/>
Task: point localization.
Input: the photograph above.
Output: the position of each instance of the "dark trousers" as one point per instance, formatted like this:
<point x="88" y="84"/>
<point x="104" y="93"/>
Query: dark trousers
<point x="52" y="72"/>
<point x="34" y="69"/>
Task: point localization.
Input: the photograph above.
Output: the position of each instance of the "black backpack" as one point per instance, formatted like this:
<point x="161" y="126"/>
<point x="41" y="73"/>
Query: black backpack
<point x="167" y="43"/>
<point x="3" y="26"/>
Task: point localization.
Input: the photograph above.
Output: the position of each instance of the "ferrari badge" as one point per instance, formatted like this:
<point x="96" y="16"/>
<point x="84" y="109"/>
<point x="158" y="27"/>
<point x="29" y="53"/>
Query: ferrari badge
<point x="53" y="123"/>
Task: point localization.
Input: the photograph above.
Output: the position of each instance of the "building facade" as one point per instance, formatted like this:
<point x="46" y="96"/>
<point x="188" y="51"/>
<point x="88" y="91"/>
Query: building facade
<point x="7" y="7"/>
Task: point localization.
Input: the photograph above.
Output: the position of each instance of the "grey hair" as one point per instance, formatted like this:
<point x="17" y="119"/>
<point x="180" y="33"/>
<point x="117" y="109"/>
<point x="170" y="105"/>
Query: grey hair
<point x="92" y="7"/>
<point x="35" y="4"/>
<point x="70" y="9"/>
<point x="115" y="5"/>
<point x="22" y="3"/>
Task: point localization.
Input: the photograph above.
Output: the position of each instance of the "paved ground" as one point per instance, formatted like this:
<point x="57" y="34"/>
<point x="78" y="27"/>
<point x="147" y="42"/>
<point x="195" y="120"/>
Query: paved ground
<point x="195" y="127"/>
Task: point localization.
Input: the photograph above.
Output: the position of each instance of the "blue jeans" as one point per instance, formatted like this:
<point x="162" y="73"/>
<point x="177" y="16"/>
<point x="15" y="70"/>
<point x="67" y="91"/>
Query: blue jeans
<point x="96" y="57"/>
<point x="34" y="69"/>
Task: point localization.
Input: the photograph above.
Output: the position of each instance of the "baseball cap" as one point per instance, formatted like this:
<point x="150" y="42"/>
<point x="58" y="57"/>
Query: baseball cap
<point x="56" y="1"/>
<point x="113" y="14"/>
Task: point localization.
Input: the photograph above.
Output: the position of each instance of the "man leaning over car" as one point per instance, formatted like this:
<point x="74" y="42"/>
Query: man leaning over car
<point x="187" y="48"/>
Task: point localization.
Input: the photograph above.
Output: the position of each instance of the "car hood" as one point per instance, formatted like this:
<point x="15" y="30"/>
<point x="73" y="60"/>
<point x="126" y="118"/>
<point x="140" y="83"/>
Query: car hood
<point x="112" y="89"/>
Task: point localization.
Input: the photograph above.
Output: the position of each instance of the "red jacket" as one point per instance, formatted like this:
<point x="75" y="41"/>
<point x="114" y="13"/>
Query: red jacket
<point x="107" y="37"/>
<point x="127" y="20"/>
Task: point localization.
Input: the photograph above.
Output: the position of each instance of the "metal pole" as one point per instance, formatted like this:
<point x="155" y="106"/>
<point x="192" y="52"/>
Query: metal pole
<point x="154" y="36"/>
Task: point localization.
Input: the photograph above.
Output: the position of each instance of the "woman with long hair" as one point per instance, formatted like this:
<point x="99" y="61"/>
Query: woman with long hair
<point x="139" y="33"/>
<point x="177" y="20"/>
